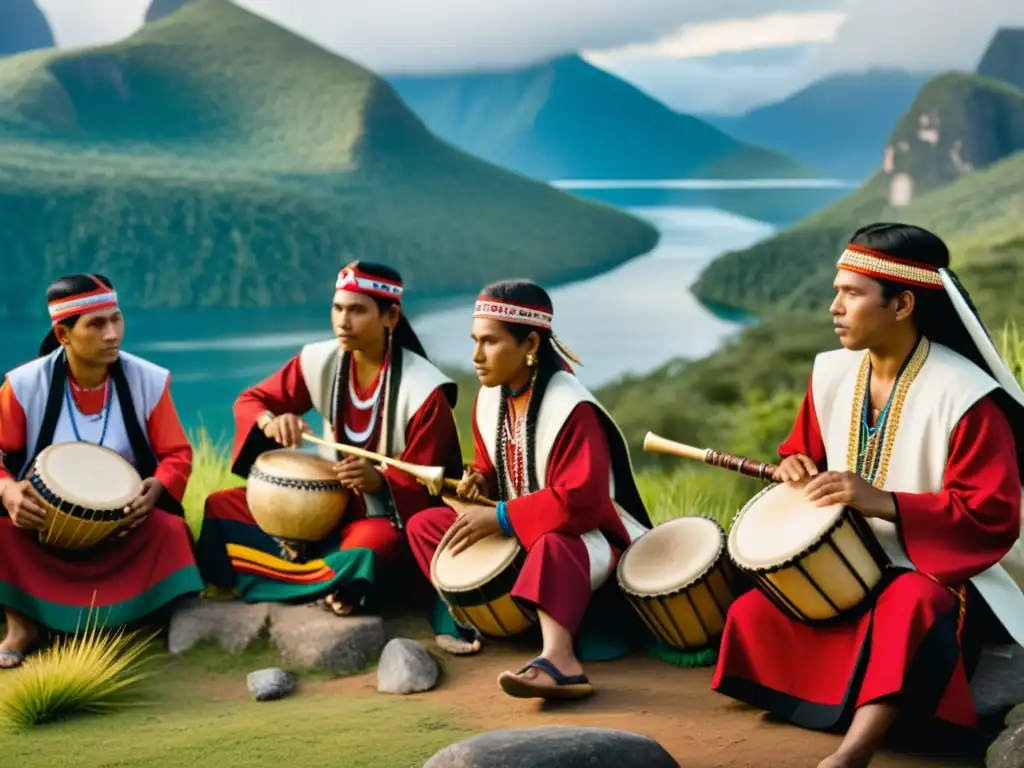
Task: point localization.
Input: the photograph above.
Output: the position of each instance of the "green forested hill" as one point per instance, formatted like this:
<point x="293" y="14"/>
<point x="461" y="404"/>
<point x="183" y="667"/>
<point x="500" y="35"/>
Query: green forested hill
<point x="214" y="159"/>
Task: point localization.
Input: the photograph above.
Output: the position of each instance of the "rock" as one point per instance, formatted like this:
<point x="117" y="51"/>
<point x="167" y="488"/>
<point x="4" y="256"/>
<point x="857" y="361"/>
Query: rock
<point x="270" y="684"/>
<point x="232" y="624"/>
<point x="998" y="682"/>
<point x="311" y="638"/>
<point x="554" y="747"/>
<point x="1007" y="751"/>
<point x="406" y="666"/>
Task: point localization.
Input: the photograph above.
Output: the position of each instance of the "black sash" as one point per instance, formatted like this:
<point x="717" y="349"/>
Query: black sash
<point x="145" y="459"/>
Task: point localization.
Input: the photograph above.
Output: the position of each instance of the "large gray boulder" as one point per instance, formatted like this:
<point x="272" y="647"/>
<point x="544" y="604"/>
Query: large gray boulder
<point x="998" y="682"/>
<point x="1007" y="751"/>
<point x="233" y="625"/>
<point x="554" y="747"/>
<point x="310" y="638"/>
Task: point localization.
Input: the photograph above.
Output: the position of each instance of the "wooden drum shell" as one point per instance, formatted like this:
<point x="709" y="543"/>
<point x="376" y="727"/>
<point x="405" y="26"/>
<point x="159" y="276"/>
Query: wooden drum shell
<point x="833" y="579"/>
<point x="488" y="606"/>
<point x="691" y="617"/>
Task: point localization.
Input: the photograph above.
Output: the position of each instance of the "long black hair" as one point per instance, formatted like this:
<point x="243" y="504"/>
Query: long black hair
<point x="403" y="336"/>
<point x="64" y="288"/>
<point x="934" y="315"/>
<point x="549" y="362"/>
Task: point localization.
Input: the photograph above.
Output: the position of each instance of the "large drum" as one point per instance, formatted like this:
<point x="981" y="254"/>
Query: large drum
<point x="86" y="488"/>
<point x="477" y="583"/>
<point x="815" y="563"/>
<point x="678" y="579"/>
<point x="295" y="496"/>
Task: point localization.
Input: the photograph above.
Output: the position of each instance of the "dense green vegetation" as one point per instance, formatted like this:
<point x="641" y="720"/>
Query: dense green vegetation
<point x="567" y="119"/>
<point x="194" y="167"/>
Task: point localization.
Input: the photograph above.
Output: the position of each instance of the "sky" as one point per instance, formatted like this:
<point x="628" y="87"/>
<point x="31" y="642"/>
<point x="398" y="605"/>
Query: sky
<point x="702" y="56"/>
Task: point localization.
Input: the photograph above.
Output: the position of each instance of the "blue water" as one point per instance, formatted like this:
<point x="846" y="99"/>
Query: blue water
<point x="631" y="319"/>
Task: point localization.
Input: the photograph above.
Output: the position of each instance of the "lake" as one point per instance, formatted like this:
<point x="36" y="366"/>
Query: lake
<point x="630" y="319"/>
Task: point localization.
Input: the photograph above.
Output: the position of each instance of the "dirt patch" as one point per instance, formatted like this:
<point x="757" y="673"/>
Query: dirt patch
<point x="676" y="707"/>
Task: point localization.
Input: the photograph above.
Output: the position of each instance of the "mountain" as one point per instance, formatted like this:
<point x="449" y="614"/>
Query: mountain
<point x="838" y="124"/>
<point x="955" y="166"/>
<point x="23" y="27"/>
<point x="215" y="159"/>
<point x="566" y="119"/>
<point x="1004" y="57"/>
<point x="158" y="9"/>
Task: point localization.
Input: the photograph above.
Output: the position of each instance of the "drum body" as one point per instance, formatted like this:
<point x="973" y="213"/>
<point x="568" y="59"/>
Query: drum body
<point x="477" y="585"/>
<point x="816" y="564"/>
<point x="86" y="488"/>
<point x="678" y="579"/>
<point x="295" y="496"/>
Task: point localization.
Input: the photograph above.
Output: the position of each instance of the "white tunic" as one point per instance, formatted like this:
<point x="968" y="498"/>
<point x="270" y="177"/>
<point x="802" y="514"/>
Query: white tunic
<point x="945" y="388"/>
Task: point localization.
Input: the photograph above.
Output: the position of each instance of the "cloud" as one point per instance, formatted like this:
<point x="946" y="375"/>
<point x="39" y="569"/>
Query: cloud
<point x="773" y="30"/>
<point x="78" y="23"/>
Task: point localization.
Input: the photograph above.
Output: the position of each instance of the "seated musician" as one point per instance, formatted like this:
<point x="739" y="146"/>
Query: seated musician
<point x="916" y="424"/>
<point x="82" y="387"/>
<point x="374" y="388"/>
<point x="548" y="452"/>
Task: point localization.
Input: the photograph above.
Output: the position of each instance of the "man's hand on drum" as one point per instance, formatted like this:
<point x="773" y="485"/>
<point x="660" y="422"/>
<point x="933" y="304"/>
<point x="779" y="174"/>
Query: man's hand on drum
<point x="143" y="504"/>
<point x="472" y="486"/>
<point x="475" y="523"/>
<point x="851" y="489"/>
<point x="795" y="468"/>
<point x="287" y="429"/>
<point x="358" y="474"/>
<point x="24" y="504"/>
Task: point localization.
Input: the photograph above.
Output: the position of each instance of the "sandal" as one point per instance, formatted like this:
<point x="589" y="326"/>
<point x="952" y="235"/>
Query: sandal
<point x="16" y="656"/>
<point x="565" y="688"/>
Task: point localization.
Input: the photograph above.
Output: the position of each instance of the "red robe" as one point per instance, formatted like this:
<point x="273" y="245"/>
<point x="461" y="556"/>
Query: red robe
<point x="909" y="643"/>
<point x="548" y="522"/>
<point x="126" y="579"/>
<point x="234" y="552"/>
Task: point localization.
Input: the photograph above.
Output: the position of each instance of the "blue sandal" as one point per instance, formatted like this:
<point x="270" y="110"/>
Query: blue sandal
<point x="573" y="687"/>
<point x="15" y="656"/>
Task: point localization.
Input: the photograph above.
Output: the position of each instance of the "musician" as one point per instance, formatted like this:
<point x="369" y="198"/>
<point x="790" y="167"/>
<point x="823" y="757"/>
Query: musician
<point x="549" y="452"/>
<point x="915" y="423"/>
<point x="374" y="388"/>
<point x="83" y="387"/>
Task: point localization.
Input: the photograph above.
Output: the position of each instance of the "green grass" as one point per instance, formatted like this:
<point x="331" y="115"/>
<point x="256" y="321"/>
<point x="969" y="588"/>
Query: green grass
<point x="202" y="714"/>
<point x="213" y="159"/>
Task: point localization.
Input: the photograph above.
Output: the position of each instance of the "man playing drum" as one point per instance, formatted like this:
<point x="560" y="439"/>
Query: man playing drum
<point x="83" y="388"/>
<point x="916" y="425"/>
<point x="548" y="452"/>
<point x="375" y="389"/>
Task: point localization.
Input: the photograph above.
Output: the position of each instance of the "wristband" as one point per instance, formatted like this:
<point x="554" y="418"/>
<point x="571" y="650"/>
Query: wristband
<point x="503" y="522"/>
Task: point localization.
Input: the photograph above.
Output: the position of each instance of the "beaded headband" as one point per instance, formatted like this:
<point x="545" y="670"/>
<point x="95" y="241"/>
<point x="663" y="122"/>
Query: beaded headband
<point x="351" y="279"/>
<point x="866" y="261"/>
<point x="510" y="312"/>
<point x="95" y="300"/>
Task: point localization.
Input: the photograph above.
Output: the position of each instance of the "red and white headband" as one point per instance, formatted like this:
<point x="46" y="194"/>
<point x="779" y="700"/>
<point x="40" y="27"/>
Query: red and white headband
<point x="510" y="312"/>
<point x="351" y="279"/>
<point x="865" y="261"/>
<point x="95" y="300"/>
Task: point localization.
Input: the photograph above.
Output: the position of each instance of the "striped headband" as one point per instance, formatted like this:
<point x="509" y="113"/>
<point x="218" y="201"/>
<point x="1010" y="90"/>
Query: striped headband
<point x="510" y="312"/>
<point x="351" y="279"/>
<point x="882" y="266"/>
<point x="95" y="300"/>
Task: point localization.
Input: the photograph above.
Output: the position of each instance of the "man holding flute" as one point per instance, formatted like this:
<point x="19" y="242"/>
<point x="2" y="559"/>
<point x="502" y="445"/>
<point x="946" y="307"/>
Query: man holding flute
<point x="374" y="389"/>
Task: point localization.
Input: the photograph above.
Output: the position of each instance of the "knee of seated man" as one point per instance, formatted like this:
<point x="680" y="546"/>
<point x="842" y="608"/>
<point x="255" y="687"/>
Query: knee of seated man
<point x="913" y="591"/>
<point x="553" y="542"/>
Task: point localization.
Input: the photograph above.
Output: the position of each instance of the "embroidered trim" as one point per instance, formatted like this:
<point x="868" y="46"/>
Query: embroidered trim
<point x="877" y="453"/>
<point x="93" y="301"/>
<point x="877" y="264"/>
<point x="512" y="313"/>
<point x="302" y="485"/>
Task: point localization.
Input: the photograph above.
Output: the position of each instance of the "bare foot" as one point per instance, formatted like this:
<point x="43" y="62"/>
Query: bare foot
<point x="17" y="642"/>
<point x="839" y="760"/>
<point x="456" y="646"/>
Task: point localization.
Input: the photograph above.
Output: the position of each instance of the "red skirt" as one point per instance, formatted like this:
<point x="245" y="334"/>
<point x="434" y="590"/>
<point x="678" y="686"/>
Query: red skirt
<point x="815" y="677"/>
<point x="125" y="580"/>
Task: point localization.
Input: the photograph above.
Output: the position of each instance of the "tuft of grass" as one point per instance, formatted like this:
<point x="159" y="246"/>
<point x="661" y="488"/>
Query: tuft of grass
<point x="211" y="471"/>
<point x="93" y="671"/>
<point x="710" y="492"/>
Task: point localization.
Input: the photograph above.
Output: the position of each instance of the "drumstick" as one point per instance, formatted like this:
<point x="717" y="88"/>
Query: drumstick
<point x="656" y="444"/>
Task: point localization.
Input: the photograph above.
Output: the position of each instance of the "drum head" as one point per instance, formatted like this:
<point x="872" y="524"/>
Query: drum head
<point x="472" y="567"/>
<point x="88" y="475"/>
<point x="294" y="465"/>
<point x="671" y="556"/>
<point x="777" y="525"/>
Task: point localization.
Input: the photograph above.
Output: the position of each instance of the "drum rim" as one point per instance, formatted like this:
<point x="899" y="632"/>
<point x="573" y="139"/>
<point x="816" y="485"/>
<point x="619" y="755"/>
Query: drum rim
<point x="294" y="484"/>
<point x="41" y="481"/>
<point x="843" y="517"/>
<point x="513" y="554"/>
<point x="697" y="580"/>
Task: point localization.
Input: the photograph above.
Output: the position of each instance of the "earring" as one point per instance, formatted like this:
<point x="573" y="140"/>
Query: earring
<point x="530" y="360"/>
